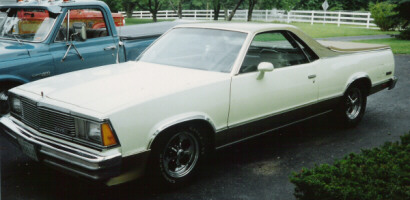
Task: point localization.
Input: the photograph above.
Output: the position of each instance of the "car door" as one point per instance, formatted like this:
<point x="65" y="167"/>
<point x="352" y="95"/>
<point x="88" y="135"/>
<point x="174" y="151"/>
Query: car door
<point x="281" y="96"/>
<point x="97" y="49"/>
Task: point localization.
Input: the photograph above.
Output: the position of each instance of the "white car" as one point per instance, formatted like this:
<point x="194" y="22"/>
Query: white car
<point x="199" y="87"/>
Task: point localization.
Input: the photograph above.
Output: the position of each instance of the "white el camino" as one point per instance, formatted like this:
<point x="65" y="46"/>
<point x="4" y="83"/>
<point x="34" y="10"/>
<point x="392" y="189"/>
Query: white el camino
<point x="199" y="87"/>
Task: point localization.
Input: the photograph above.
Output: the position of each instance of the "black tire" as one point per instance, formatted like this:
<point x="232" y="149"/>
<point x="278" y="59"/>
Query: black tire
<point x="352" y="106"/>
<point x="4" y="105"/>
<point x="168" y="155"/>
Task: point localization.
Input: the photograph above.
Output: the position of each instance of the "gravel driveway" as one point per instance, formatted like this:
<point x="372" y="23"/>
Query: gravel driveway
<point x="256" y="169"/>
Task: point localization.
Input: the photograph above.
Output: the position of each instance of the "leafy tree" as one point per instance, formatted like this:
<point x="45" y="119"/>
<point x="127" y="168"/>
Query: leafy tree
<point x="128" y="6"/>
<point x="232" y="14"/>
<point x="217" y="7"/>
<point x="179" y="9"/>
<point x="153" y="6"/>
<point x="383" y="14"/>
<point x="115" y="5"/>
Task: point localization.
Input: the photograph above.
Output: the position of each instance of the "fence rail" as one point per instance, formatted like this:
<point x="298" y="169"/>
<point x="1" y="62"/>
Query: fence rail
<point x="328" y="17"/>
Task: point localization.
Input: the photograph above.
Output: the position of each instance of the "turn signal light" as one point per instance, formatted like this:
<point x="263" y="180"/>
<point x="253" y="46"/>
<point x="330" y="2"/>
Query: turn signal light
<point x="108" y="135"/>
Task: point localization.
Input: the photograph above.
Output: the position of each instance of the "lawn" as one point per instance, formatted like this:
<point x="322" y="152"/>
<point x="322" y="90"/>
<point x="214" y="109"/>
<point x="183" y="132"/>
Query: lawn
<point x="140" y="21"/>
<point x="398" y="46"/>
<point x="332" y="30"/>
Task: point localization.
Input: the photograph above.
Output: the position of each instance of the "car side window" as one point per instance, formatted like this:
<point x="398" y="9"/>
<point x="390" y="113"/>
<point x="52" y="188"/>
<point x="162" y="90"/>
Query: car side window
<point x="277" y="48"/>
<point x="92" y="19"/>
<point x="308" y="51"/>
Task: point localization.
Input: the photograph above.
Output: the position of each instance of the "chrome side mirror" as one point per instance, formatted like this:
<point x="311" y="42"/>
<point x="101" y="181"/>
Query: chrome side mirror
<point x="80" y="31"/>
<point x="264" y="67"/>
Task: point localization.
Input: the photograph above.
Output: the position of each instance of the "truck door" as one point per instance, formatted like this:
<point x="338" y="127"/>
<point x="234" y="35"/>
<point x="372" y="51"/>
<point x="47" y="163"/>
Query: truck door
<point x="83" y="41"/>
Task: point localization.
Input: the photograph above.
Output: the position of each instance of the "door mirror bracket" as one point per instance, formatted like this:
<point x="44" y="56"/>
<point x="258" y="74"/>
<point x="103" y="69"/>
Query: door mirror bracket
<point x="264" y="67"/>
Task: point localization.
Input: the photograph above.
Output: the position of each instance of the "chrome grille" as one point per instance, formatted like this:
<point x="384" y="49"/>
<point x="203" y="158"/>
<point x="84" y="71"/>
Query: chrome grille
<point x="46" y="120"/>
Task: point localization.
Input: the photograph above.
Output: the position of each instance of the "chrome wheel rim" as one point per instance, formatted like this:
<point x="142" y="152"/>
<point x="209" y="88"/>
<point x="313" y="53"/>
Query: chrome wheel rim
<point x="353" y="103"/>
<point x="180" y="154"/>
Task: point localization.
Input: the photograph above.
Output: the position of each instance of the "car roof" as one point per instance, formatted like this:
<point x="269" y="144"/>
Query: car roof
<point x="235" y="26"/>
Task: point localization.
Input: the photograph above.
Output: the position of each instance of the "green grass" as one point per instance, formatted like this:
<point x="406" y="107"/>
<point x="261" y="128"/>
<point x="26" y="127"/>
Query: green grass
<point x="398" y="46"/>
<point x="332" y="30"/>
<point x="140" y="21"/>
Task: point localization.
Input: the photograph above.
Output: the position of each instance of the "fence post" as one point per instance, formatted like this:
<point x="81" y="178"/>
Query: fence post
<point x="313" y="17"/>
<point x="288" y="17"/>
<point x="246" y="15"/>
<point x="195" y="15"/>
<point x="166" y="14"/>
<point x="212" y="12"/>
<point x="338" y="19"/>
<point x="266" y="15"/>
<point x="368" y="20"/>
<point x="141" y="14"/>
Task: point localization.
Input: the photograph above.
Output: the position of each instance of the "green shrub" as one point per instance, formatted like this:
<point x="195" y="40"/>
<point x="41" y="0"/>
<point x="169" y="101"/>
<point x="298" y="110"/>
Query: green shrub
<point x="380" y="173"/>
<point x="404" y="34"/>
<point x="384" y="15"/>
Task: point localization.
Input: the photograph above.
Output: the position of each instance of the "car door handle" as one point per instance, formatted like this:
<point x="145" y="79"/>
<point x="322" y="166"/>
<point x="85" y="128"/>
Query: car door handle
<point x="110" y="48"/>
<point x="312" y="76"/>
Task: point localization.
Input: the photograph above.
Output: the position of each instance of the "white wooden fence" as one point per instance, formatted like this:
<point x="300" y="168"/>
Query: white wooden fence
<point x="329" y="17"/>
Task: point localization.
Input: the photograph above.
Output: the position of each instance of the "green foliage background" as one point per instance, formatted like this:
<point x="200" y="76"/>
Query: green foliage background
<point x="352" y="5"/>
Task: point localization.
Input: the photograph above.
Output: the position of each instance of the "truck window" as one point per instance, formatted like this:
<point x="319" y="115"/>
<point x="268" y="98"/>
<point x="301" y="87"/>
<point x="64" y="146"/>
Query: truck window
<point x="92" y="19"/>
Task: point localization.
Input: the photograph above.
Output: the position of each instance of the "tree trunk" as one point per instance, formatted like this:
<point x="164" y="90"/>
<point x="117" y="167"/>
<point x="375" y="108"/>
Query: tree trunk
<point x="217" y="8"/>
<point x="129" y="10"/>
<point x="154" y="15"/>
<point x="234" y="10"/>
<point x="180" y="9"/>
<point x="250" y="9"/>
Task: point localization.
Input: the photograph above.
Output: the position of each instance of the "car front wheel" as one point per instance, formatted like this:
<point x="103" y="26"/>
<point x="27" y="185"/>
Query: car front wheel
<point x="4" y="106"/>
<point x="177" y="155"/>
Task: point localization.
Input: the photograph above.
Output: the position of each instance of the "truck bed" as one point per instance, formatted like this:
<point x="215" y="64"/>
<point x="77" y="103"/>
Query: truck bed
<point x="351" y="46"/>
<point x="146" y="30"/>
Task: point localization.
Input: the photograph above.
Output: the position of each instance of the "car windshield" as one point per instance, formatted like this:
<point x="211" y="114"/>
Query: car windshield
<point x="32" y="25"/>
<point x="197" y="48"/>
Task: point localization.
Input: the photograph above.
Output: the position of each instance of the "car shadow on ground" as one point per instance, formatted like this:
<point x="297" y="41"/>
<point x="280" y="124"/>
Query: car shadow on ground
<point x="280" y="143"/>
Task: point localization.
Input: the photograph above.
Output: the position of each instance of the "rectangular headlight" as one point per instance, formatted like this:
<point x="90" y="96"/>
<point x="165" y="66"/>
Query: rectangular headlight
<point x="99" y="133"/>
<point x="15" y="105"/>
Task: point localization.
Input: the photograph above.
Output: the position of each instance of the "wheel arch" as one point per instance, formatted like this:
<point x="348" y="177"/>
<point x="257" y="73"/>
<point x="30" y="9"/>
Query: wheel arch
<point x="14" y="80"/>
<point x="197" y="119"/>
<point x="361" y="79"/>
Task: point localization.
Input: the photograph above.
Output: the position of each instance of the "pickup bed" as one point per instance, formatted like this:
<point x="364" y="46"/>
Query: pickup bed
<point x="35" y="42"/>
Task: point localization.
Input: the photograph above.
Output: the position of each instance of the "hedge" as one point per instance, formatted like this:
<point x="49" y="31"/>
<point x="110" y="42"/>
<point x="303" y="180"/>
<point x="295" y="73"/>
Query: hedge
<point x="379" y="173"/>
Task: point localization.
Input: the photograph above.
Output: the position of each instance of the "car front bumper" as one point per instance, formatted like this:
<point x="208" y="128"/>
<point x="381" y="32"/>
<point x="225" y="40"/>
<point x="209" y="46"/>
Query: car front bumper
<point x="69" y="159"/>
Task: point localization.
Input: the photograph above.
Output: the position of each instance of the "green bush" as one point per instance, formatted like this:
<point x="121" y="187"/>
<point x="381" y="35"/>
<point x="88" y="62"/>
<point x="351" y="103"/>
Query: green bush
<point x="384" y="15"/>
<point x="380" y="173"/>
<point x="404" y="34"/>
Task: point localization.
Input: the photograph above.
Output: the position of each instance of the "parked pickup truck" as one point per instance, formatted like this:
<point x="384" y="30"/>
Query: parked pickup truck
<point x="35" y="42"/>
<point x="198" y="88"/>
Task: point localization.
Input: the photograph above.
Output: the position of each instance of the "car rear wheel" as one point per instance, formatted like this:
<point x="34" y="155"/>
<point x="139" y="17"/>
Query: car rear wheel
<point x="353" y="106"/>
<point x="176" y="156"/>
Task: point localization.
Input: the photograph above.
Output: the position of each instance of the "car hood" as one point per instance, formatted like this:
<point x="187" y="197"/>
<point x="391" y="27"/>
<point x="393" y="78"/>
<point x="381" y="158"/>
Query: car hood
<point x="104" y="89"/>
<point x="12" y="51"/>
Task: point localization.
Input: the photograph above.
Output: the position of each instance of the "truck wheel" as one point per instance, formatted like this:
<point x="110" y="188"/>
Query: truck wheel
<point x="176" y="156"/>
<point x="353" y="106"/>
